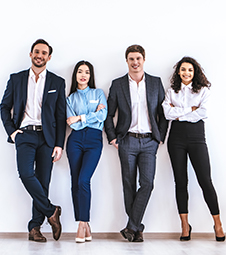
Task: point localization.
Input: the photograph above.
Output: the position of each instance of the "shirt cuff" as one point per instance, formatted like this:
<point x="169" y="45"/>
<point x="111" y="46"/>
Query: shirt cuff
<point x="83" y="118"/>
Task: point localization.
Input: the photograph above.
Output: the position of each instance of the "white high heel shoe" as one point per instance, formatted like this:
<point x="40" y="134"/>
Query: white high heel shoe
<point x="88" y="238"/>
<point x="81" y="233"/>
<point x="80" y="240"/>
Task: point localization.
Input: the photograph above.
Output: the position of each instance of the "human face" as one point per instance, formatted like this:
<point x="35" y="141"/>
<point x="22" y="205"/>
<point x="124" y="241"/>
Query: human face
<point x="135" y="62"/>
<point x="186" y="73"/>
<point x="83" y="76"/>
<point x="40" y="55"/>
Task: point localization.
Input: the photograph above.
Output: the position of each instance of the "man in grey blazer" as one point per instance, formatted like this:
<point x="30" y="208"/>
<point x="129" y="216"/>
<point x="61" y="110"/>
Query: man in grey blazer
<point x="140" y="127"/>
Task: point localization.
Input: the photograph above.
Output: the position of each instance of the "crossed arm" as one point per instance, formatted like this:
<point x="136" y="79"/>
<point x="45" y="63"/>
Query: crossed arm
<point x="193" y="108"/>
<point x="74" y="119"/>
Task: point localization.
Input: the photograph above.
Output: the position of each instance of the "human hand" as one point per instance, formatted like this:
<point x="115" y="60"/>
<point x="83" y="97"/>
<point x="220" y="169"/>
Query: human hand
<point x="194" y="108"/>
<point x="113" y="142"/>
<point x="73" y="119"/>
<point x="99" y="107"/>
<point x="13" y="135"/>
<point x="57" y="153"/>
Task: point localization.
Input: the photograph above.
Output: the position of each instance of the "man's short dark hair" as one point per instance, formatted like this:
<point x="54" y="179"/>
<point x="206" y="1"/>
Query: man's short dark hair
<point x="135" y="48"/>
<point x="42" y="42"/>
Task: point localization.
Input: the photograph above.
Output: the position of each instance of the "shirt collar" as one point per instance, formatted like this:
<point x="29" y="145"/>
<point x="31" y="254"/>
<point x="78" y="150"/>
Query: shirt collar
<point x="186" y="86"/>
<point x="42" y="74"/>
<point x="84" y="90"/>
<point x="131" y="80"/>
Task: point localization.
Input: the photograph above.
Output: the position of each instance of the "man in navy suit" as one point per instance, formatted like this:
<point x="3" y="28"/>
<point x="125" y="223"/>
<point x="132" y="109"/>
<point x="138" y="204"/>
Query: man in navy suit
<point x="37" y="126"/>
<point x="140" y="127"/>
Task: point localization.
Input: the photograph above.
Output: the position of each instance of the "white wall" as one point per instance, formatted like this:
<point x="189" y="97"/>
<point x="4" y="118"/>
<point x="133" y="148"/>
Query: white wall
<point x="99" y="31"/>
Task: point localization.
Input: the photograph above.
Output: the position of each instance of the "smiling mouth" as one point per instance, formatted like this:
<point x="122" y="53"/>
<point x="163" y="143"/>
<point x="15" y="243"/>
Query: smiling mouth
<point x="38" y="59"/>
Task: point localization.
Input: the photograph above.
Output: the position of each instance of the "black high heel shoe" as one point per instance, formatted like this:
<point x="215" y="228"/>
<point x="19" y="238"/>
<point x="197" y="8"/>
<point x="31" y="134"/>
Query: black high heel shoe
<point x="187" y="238"/>
<point x="218" y="239"/>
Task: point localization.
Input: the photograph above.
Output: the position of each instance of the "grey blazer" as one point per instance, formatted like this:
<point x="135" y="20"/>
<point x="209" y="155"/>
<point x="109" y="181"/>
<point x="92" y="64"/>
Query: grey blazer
<point x="119" y="98"/>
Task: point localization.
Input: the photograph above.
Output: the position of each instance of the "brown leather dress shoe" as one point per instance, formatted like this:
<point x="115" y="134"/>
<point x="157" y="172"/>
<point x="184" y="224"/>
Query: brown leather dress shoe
<point x="138" y="237"/>
<point x="54" y="221"/>
<point x="128" y="234"/>
<point x="36" y="235"/>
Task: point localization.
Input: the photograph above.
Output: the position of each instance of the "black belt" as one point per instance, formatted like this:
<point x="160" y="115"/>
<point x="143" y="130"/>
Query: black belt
<point x="32" y="127"/>
<point x="137" y="135"/>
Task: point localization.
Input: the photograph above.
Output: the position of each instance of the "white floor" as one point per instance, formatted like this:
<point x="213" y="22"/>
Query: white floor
<point x="112" y="244"/>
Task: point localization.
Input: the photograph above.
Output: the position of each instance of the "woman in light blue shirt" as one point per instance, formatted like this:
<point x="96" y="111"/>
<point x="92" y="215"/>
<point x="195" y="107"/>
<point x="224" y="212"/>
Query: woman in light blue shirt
<point x="86" y="112"/>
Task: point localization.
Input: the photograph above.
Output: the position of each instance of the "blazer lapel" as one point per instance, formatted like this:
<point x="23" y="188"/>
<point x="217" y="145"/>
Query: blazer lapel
<point x="47" y="86"/>
<point x="125" y="89"/>
<point x="24" y="87"/>
<point x="150" y="97"/>
<point x="149" y="91"/>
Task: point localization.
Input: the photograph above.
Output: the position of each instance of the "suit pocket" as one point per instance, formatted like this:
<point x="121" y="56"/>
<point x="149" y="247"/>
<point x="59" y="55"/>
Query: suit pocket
<point x="52" y="91"/>
<point x="16" y="136"/>
<point x="51" y="97"/>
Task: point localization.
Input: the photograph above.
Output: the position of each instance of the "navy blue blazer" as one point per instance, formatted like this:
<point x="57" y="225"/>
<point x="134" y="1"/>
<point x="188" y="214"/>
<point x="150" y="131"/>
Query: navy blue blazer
<point x="119" y="98"/>
<point x="53" y="106"/>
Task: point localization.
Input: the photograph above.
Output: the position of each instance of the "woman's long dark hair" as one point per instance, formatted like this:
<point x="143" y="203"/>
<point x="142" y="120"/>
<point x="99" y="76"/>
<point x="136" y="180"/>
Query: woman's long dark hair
<point x="199" y="80"/>
<point x="74" y="83"/>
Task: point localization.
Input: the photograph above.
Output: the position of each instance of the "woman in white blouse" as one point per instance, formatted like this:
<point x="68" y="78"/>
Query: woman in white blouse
<point x="185" y="104"/>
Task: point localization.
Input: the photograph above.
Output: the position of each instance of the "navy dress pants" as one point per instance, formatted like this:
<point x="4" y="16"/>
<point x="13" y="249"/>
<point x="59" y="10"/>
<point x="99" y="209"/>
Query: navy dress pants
<point x="137" y="154"/>
<point x="83" y="151"/>
<point x="34" y="162"/>
<point x="187" y="139"/>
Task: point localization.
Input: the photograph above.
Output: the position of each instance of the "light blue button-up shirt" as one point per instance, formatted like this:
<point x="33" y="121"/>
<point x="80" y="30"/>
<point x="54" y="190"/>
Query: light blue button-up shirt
<point x="84" y="103"/>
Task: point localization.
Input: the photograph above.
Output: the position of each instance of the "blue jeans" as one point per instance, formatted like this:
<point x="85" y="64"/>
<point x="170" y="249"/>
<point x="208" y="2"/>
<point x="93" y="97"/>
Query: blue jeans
<point x="84" y="149"/>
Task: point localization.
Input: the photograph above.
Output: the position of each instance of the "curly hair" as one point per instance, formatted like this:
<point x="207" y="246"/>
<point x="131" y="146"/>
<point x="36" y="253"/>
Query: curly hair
<point x="199" y="80"/>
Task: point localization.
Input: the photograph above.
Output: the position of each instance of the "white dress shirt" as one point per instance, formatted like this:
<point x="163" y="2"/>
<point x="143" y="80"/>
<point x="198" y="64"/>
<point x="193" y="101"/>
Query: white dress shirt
<point x="183" y="102"/>
<point x="140" y="122"/>
<point x="32" y="115"/>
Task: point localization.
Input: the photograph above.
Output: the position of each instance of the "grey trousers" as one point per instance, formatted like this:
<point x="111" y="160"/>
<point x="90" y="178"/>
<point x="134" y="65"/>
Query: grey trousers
<point x="137" y="155"/>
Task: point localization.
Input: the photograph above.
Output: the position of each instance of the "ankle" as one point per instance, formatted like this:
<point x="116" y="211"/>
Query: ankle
<point x="185" y="226"/>
<point x="81" y="230"/>
<point x="88" y="230"/>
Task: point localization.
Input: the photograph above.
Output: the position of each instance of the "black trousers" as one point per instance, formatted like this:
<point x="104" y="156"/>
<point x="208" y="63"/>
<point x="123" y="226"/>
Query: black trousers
<point x="188" y="139"/>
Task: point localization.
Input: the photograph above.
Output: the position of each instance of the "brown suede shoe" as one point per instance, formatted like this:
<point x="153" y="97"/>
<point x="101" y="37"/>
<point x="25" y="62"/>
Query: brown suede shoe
<point x="54" y="221"/>
<point x="36" y="235"/>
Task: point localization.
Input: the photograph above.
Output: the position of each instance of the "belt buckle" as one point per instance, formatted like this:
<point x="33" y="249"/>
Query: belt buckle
<point x="33" y="127"/>
<point x="136" y="135"/>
